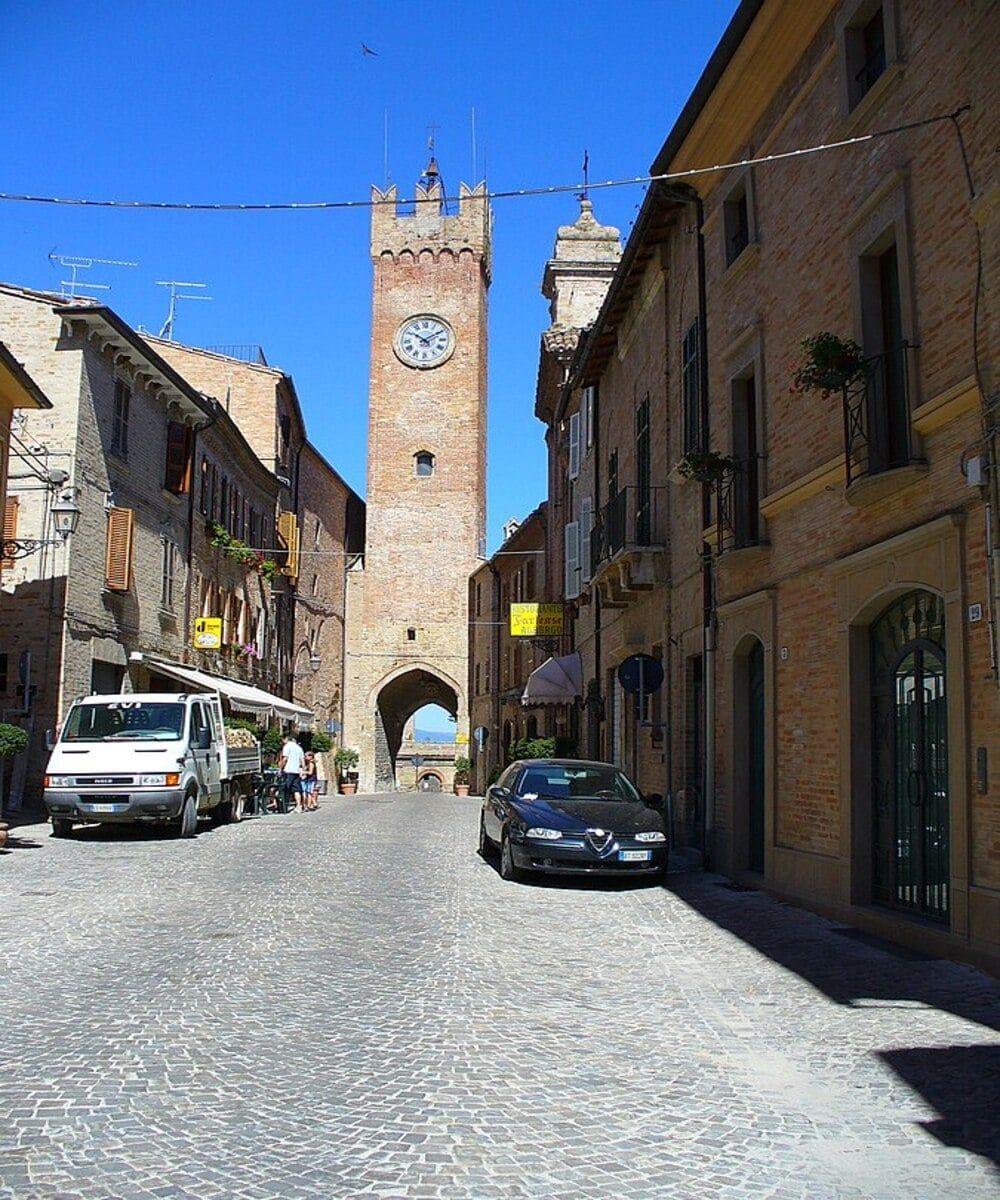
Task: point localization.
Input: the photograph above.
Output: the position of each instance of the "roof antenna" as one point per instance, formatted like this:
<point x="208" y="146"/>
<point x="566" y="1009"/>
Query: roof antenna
<point x="74" y="264"/>
<point x="167" y="332"/>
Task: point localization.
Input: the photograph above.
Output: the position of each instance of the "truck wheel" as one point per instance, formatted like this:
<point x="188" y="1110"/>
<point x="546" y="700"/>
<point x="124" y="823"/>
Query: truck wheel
<point x="61" y="827"/>
<point x="187" y="822"/>
<point x="236" y="799"/>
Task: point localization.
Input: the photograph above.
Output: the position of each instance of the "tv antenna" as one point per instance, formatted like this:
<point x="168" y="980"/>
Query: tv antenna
<point x="167" y="332"/>
<point x="76" y="263"/>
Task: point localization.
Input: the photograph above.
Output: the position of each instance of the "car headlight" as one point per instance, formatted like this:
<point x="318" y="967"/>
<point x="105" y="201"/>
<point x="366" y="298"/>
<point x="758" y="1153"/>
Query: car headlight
<point x="159" y="780"/>
<point x="58" y="781"/>
<point x="651" y="835"/>
<point x="546" y="835"/>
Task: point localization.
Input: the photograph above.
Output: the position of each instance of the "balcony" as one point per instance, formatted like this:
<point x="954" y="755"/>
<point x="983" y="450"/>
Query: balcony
<point x="877" y="436"/>
<point x="738" y="511"/>
<point x="628" y="545"/>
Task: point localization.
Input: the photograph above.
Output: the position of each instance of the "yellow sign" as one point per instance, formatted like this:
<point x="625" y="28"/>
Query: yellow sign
<point x="536" y="620"/>
<point x="461" y="739"/>
<point x="207" y="633"/>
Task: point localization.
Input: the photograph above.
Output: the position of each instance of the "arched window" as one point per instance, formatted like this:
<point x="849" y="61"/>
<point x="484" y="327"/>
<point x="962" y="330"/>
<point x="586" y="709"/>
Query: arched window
<point x="424" y="463"/>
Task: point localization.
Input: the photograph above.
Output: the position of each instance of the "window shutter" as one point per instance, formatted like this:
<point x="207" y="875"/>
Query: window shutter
<point x="572" y="559"/>
<point x="574" y="445"/>
<point x="586" y="525"/>
<point x="118" y="561"/>
<point x="288" y="531"/>
<point x="178" y="469"/>
<point x="588" y="418"/>
<point x="10" y="514"/>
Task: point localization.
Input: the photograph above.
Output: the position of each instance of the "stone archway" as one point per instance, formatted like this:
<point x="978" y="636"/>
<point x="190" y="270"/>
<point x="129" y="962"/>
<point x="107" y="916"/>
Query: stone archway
<point x="397" y="701"/>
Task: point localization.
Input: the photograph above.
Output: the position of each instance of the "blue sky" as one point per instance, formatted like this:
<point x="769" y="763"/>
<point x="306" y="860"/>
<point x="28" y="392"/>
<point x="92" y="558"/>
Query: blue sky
<point x="265" y="101"/>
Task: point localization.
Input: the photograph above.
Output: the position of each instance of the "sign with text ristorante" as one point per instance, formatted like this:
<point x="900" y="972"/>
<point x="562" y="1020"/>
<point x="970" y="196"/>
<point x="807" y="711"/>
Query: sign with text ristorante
<point x="536" y="620"/>
<point x="207" y="633"/>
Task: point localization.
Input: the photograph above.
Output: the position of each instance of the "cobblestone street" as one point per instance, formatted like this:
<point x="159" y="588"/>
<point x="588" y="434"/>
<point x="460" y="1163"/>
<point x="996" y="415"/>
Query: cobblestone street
<point x="353" y="1003"/>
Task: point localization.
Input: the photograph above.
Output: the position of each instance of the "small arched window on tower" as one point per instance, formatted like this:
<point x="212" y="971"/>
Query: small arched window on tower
<point x="424" y="463"/>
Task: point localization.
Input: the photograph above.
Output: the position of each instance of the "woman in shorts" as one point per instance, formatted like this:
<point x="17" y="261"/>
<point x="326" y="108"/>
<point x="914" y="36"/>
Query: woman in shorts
<point x="309" y="803"/>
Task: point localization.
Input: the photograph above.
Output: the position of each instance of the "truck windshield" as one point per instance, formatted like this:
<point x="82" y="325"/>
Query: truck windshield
<point x="124" y="721"/>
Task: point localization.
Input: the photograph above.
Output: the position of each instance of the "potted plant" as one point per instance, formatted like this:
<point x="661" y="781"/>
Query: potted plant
<point x="829" y="364"/>
<point x="13" y="740"/>
<point x="345" y="760"/>
<point x="463" y="776"/>
<point x="706" y="466"/>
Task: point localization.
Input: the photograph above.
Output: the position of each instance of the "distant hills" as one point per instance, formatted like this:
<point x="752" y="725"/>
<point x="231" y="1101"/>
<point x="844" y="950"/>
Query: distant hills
<point x="434" y="735"/>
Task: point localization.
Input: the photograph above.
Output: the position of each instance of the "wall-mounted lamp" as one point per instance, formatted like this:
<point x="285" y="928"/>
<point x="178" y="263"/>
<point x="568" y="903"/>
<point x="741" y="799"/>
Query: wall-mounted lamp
<point x="65" y="513"/>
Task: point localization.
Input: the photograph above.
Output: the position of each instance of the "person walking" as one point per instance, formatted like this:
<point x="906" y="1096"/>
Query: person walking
<point x="309" y="782"/>
<point x="290" y="764"/>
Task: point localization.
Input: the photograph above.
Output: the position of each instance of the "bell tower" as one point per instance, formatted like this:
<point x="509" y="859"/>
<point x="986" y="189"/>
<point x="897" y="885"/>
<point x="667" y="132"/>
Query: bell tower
<point x="407" y="630"/>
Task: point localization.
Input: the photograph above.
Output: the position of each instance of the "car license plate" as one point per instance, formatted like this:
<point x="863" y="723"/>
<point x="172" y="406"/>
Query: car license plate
<point x="109" y="808"/>
<point x="634" y="855"/>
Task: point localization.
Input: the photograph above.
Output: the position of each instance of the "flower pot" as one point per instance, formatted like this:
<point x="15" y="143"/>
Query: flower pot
<point x="461" y="789"/>
<point x="347" y="789"/>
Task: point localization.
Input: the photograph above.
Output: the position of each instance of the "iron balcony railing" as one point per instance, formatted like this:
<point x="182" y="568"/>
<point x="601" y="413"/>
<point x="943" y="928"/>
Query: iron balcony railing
<point x="877" y="415"/>
<point x="738" y="506"/>
<point x="633" y="518"/>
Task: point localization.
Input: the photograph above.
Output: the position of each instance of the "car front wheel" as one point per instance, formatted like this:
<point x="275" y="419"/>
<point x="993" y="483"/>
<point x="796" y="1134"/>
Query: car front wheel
<point x="509" y="870"/>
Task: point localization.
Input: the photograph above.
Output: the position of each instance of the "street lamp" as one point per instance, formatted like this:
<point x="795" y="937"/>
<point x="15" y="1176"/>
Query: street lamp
<point x="65" y="514"/>
<point x="315" y="661"/>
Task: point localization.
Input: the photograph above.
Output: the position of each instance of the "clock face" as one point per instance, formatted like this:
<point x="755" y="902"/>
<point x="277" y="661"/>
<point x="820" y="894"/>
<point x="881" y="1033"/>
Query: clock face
<point x="424" y="341"/>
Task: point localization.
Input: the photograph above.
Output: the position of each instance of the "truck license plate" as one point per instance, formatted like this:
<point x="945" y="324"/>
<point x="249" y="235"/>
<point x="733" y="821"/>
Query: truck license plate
<point x="634" y="855"/>
<point x="108" y="808"/>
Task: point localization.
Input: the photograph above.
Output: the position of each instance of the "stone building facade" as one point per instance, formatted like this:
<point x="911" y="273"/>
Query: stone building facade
<point x="821" y="592"/>
<point x="137" y="445"/>
<point x="407" y="624"/>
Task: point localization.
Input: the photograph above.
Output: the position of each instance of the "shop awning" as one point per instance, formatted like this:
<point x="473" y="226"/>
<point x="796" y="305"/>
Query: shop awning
<point x="241" y="696"/>
<point x="556" y="681"/>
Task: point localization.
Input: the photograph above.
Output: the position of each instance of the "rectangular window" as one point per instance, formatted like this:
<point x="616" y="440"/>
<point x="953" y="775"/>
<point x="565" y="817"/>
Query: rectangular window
<point x="586" y="527"/>
<point x="866" y="52"/>
<point x="119" y="549"/>
<point x="180" y="442"/>
<point x="745" y="490"/>
<point x="691" y="398"/>
<point x="213" y="488"/>
<point x="612" y="474"/>
<point x="204" y="489"/>
<point x="643" y="489"/>
<point x="887" y="407"/>
<point x="571" y="535"/>
<point x="316" y="532"/>
<point x="119" y="418"/>
<point x="168" y="573"/>
<point x="736" y="220"/>
<point x="574" y="446"/>
<point x="589" y="395"/>
<point x="224" y="502"/>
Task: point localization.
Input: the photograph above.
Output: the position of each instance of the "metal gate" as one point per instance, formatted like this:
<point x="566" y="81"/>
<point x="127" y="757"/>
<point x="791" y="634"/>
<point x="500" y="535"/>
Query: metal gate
<point x="910" y="757"/>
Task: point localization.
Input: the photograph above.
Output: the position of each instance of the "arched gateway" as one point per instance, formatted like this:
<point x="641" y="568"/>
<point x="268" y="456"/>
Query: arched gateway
<point x="407" y="624"/>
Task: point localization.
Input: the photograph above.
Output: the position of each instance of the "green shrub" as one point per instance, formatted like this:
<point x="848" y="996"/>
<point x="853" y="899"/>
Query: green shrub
<point x="318" y="742"/>
<point x="271" y="742"/>
<point x="13" y="740"/>
<point x="463" y="771"/>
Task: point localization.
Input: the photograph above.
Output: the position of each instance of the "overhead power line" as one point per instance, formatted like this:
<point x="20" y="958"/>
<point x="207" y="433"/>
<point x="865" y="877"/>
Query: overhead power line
<point x="509" y="194"/>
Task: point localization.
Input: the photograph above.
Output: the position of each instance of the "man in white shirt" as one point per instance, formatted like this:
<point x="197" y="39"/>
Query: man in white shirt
<point x="290" y="765"/>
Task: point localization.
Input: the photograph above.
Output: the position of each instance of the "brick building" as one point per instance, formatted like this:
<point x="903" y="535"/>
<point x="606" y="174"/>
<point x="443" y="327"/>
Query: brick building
<point x="150" y="461"/>
<point x="318" y="519"/>
<point x="408" y="615"/>
<point x="499" y="664"/>
<point x="820" y="593"/>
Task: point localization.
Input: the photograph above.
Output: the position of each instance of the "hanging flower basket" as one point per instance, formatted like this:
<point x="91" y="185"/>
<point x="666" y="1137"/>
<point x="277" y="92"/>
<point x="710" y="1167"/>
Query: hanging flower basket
<point x="830" y="364"/>
<point x="706" y="466"/>
<point x="240" y="552"/>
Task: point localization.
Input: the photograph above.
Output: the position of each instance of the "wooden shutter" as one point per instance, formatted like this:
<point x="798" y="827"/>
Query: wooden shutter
<point x="178" y="470"/>
<point x="572" y="559"/>
<point x="574" y="445"/>
<point x="586" y="525"/>
<point x="10" y="514"/>
<point x="288" y="531"/>
<point x="118" y="560"/>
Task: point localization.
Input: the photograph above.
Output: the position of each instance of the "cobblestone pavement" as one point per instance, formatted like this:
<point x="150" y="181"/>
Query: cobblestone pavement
<point x="352" y="1003"/>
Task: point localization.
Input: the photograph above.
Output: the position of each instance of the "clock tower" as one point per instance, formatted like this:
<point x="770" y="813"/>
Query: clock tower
<point x="408" y="602"/>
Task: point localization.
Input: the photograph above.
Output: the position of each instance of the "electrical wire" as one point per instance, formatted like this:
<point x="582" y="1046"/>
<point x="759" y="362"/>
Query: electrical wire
<point x="507" y="194"/>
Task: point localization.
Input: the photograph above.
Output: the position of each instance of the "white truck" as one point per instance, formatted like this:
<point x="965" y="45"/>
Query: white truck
<point x="152" y="757"/>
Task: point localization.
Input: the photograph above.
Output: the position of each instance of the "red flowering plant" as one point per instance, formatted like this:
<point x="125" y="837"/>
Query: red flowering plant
<point x="830" y="364"/>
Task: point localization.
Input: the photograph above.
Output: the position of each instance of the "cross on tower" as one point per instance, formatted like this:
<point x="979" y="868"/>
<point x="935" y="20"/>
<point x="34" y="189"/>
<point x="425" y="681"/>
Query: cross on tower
<point x="431" y="132"/>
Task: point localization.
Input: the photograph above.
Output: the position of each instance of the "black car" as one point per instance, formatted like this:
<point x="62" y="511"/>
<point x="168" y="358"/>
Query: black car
<point x="565" y="816"/>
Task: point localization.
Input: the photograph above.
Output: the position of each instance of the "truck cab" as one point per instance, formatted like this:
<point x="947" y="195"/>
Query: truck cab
<point x="143" y="757"/>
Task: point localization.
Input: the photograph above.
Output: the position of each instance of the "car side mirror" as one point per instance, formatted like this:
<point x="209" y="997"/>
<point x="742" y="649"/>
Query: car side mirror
<point x="204" y="738"/>
<point x="50" y="739"/>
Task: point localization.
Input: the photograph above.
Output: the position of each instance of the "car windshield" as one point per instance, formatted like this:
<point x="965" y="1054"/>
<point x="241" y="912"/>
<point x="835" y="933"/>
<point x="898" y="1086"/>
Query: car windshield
<point x="566" y="781"/>
<point x="124" y="721"/>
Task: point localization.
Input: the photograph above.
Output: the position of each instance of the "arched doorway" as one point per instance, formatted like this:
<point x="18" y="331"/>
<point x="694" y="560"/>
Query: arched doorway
<point x="430" y="781"/>
<point x="910" y="828"/>
<point x="397" y="701"/>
